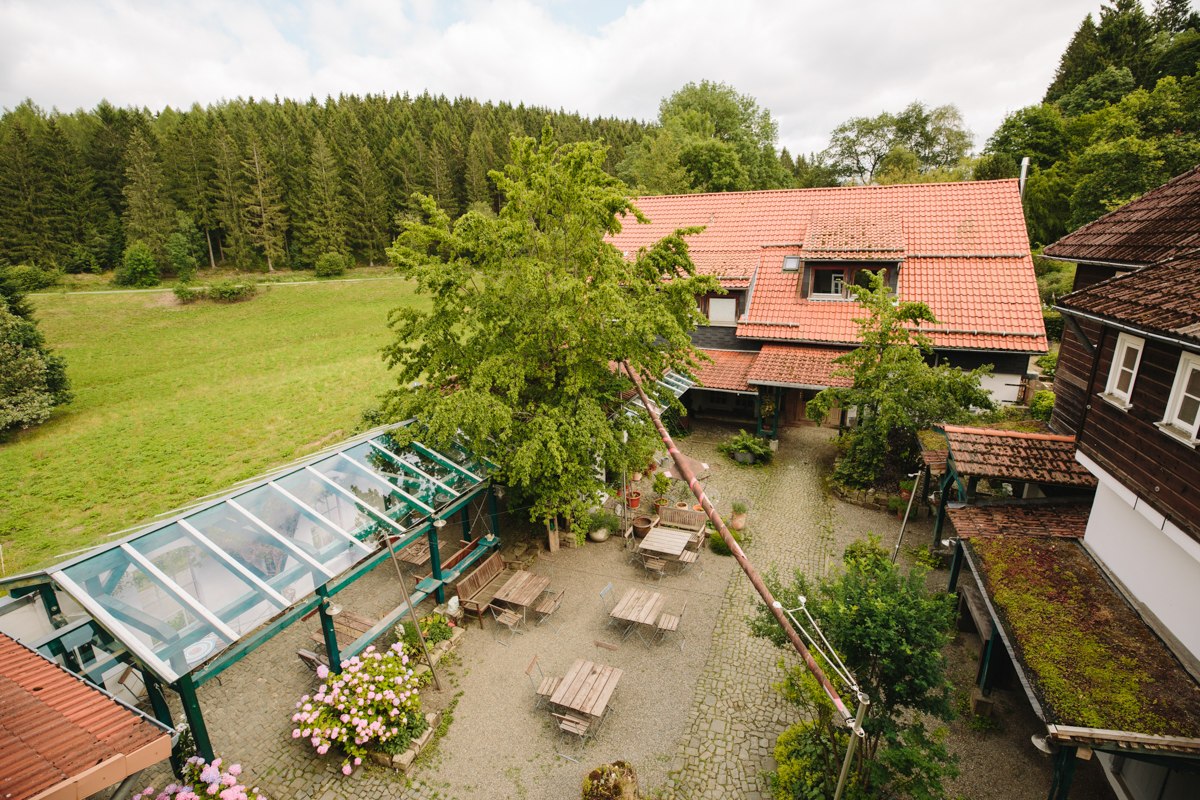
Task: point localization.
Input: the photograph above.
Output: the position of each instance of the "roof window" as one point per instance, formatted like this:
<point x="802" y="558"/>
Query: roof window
<point x="791" y="263"/>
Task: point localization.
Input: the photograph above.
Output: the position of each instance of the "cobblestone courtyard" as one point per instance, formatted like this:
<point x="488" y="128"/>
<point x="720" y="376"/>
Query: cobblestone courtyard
<point x="700" y="722"/>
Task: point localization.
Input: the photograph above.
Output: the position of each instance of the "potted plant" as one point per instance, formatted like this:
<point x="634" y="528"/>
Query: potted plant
<point x="603" y="523"/>
<point x="746" y="448"/>
<point x="634" y="498"/>
<point x="662" y="485"/>
<point x="898" y="505"/>
<point x="738" y="520"/>
<point x="906" y="488"/>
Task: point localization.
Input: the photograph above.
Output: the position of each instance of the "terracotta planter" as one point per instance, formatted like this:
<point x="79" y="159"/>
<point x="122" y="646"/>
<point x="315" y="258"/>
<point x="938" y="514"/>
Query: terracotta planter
<point x="737" y="522"/>
<point x="659" y="503"/>
<point x="637" y="476"/>
<point x="634" y="498"/>
<point x="641" y="526"/>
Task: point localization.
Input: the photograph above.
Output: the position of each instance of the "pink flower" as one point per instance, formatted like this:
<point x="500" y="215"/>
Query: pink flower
<point x="322" y="672"/>
<point x="323" y="749"/>
<point x="296" y="733"/>
<point x="346" y="769"/>
<point x="235" y="770"/>
<point x="357" y="761"/>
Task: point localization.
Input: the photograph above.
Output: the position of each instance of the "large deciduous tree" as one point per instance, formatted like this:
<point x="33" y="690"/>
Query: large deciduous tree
<point x="934" y="140"/>
<point x="895" y="391"/>
<point x="889" y="631"/>
<point x="709" y="139"/>
<point x="530" y="309"/>
<point x="33" y="381"/>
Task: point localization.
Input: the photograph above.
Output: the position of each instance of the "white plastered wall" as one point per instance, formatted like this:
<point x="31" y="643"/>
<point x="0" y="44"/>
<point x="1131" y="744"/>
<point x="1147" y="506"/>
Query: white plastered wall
<point x="1003" y="387"/>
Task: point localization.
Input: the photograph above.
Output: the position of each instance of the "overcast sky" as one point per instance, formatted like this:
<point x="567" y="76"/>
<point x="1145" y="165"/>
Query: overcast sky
<point x="811" y="64"/>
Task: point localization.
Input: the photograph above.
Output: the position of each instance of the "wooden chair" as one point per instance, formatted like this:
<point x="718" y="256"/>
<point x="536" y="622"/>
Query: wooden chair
<point x="655" y="566"/>
<point x="543" y="685"/>
<point x="688" y="559"/>
<point x="547" y="605"/>
<point x="312" y="660"/>
<point x="669" y="623"/>
<point x="578" y="726"/>
<point x="607" y="599"/>
<point x="509" y="619"/>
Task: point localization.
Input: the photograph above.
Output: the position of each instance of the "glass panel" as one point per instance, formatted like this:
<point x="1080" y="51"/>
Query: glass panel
<point x="1129" y="358"/>
<point x="1193" y="383"/>
<point x="421" y="488"/>
<point x="1187" y="411"/>
<point x="155" y="618"/>
<point x="211" y="582"/>
<point x="1124" y="376"/>
<point x="256" y="550"/>
<point x="430" y="466"/>
<point x="330" y="503"/>
<point x="304" y="529"/>
<point x="370" y="488"/>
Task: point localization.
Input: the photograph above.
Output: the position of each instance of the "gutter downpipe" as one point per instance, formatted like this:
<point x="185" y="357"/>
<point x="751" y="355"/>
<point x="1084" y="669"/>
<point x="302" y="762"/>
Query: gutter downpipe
<point x="697" y="488"/>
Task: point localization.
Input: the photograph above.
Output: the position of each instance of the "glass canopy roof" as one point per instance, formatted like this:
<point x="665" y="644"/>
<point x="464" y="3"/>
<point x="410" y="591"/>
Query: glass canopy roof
<point x="183" y="590"/>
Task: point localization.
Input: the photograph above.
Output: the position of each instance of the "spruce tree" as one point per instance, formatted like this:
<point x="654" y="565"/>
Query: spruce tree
<point x="227" y="190"/>
<point x="324" y="221"/>
<point x="1082" y="59"/>
<point x="262" y="205"/>
<point x="149" y="213"/>
<point x="23" y="189"/>
<point x="368" y="206"/>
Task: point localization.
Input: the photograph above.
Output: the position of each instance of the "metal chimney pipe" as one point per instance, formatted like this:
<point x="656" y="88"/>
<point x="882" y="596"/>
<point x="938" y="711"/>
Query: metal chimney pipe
<point x="1024" y="173"/>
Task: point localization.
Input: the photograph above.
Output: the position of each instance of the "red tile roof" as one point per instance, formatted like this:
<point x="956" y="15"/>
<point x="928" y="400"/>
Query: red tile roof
<point x="1164" y="298"/>
<point x="1055" y="520"/>
<point x="1163" y="223"/>
<point x="796" y="365"/>
<point x="59" y="733"/>
<point x="1012" y="455"/>
<point x="727" y="370"/>
<point x="962" y="247"/>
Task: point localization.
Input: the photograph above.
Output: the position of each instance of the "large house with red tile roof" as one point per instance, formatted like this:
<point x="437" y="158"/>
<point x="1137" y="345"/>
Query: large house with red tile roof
<point x="785" y="259"/>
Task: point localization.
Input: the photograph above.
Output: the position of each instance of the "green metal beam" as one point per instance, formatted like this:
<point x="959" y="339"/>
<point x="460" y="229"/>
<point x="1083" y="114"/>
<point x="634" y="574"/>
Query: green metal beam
<point x="984" y="677"/>
<point x="245" y="646"/>
<point x="955" y="566"/>
<point x="466" y="523"/>
<point x="1064" y="772"/>
<point x="435" y="561"/>
<point x="195" y="717"/>
<point x="329" y="632"/>
<point x="494" y="510"/>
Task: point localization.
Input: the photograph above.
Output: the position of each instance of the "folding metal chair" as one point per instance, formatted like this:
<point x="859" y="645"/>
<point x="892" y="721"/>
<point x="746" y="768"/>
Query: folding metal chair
<point x="669" y="623"/>
<point x="547" y="605"/>
<point x="655" y="566"/>
<point x="543" y="685"/>
<point x="509" y="619"/>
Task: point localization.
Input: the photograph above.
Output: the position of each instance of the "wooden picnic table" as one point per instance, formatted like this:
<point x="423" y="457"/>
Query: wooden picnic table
<point x="522" y="589"/>
<point x="638" y="606"/>
<point x="668" y="541"/>
<point x="587" y="687"/>
<point x="416" y="553"/>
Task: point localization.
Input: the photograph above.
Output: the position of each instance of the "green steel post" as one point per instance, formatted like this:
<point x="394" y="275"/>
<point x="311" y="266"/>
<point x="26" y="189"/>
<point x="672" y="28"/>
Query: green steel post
<point x="466" y="523"/>
<point x="195" y="717"/>
<point x="50" y="604"/>
<point x="972" y="486"/>
<point x="494" y="510"/>
<point x="331" y="642"/>
<point x="1064" y="772"/>
<point x="162" y="713"/>
<point x="758" y="430"/>
<point x="984" y="679"/>
<point x="435" y="558"/>
<point x="955" y="566"/>
<point x="940" y="519"/>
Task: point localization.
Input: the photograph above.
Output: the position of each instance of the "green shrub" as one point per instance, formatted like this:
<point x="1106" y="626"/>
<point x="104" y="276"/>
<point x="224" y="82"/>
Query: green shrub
<point x="716" y="542"/>
<point x="1048" y="364"/>
<point x="662" y="484"/>
<point x="186" y="294"/>
<point x="1054" y="324"/>
<point x="435" y="627"/>
<point x="180" y="256"/>
<point x="605" y="519"/>
<point x="330" y="265"/>
<point x="743" y="442"/>
<point x="231" y="291"/>
<point x="30" y="278"/>
<point x="138" y="268"/>
<point x="1042" y="405"/>
<point x="80" y="259"/>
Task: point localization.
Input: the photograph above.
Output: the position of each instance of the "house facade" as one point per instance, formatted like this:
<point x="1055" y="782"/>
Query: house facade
<point x="786" y="259"/>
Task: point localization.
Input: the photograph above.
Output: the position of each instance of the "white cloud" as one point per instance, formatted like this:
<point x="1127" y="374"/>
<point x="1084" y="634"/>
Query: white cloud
<point x="811" y="64"/>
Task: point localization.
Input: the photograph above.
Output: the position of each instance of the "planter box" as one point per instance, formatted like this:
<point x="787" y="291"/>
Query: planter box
<point x="402" y="761"/>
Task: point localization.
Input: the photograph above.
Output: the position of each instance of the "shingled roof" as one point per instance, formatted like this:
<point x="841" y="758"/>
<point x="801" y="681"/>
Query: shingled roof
<point x="1163" y="223"/>
<point x="727" y="371"/>
<point x="1162" y="299"/>
<point x="1017" y="456"/>
<point x="1058" y="520"/>
<point x="797" y="366"/>
<point x="962" y="248"/>
<point x="60" y="737"/>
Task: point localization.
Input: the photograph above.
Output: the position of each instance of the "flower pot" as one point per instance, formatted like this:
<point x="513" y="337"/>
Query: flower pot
<point x="634" y="498"/>
<point x="659" y="503"/>
<point x="737" y="522"/>
<point x="598" y="535"/>
<point x="742" y="457"/>
<point x="637" y="476"/>
<point x="681" y="505"/>
<point x="641" y="526"/>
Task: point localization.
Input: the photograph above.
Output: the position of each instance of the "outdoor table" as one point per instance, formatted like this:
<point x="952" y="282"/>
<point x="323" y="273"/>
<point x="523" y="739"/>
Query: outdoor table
<point x="416" y="553"/>
<point x="522" y="589"/>
<point x="587" y="687"/>
<point x="638" y="607"/>
<point x="667" y="541"/>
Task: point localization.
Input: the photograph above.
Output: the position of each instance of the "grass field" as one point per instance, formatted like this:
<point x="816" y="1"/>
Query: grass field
<point x="175" y="402"/>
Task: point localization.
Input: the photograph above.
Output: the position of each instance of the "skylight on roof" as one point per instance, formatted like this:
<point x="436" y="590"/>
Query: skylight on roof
<point x="791" y="263"/>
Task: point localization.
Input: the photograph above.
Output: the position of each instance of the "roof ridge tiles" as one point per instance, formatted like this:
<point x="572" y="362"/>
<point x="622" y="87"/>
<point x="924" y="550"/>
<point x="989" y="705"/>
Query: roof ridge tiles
<point x="1047" y="437"/>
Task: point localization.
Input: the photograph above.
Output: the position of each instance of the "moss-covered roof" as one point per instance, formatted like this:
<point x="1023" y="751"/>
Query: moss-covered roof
<point x="1093" y="662"/>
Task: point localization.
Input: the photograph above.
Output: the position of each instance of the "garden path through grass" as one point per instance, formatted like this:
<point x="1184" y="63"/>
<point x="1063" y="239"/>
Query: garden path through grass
<point x="176" y="402"/>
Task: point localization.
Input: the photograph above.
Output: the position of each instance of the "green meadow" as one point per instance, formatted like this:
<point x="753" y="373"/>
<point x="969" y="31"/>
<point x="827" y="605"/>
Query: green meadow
<point x="174" y="402"/>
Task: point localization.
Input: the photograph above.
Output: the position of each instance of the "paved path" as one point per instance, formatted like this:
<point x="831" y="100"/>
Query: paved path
<point x="736" y="714"/>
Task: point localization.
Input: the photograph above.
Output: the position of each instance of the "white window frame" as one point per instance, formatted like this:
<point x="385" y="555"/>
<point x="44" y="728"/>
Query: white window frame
<point x="732" y="321"/>
<point x="1188" y="363"/>
<point x="1112" y="394"/>
<point x="835" y="281"/>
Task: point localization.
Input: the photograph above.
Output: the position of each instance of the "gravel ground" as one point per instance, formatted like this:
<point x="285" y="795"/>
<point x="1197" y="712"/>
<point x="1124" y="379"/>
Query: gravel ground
<point x="699" y="723"/>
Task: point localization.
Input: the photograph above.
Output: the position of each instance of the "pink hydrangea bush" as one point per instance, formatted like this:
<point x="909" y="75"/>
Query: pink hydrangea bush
<point x="204" y="781"/>
<point x="373" y="704"/>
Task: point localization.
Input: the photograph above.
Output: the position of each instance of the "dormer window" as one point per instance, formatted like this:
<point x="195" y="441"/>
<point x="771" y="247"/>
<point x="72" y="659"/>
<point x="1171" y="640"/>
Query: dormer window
<point x="828" y="283"/>
<point x="1183" y="409"/>
<point x="832" y="283"/>
<point x="791" y="263"/>
<point x="1121" y="376"/>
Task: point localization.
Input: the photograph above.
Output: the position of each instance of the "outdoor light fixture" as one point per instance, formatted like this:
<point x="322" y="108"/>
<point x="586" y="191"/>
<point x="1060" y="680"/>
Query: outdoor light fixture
<point x="498" y="490"/>
<point x="332" y="610"/>
<point x="1042" y="743"/>
<point x="439" y="523"/>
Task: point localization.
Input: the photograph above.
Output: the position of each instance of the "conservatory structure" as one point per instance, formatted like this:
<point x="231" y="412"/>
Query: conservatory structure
<point x="181" y="600"/>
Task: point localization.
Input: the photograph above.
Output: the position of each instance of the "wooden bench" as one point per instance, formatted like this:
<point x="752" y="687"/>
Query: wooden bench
<point x="477" y="590"/>
<point x="685" y="519"/>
